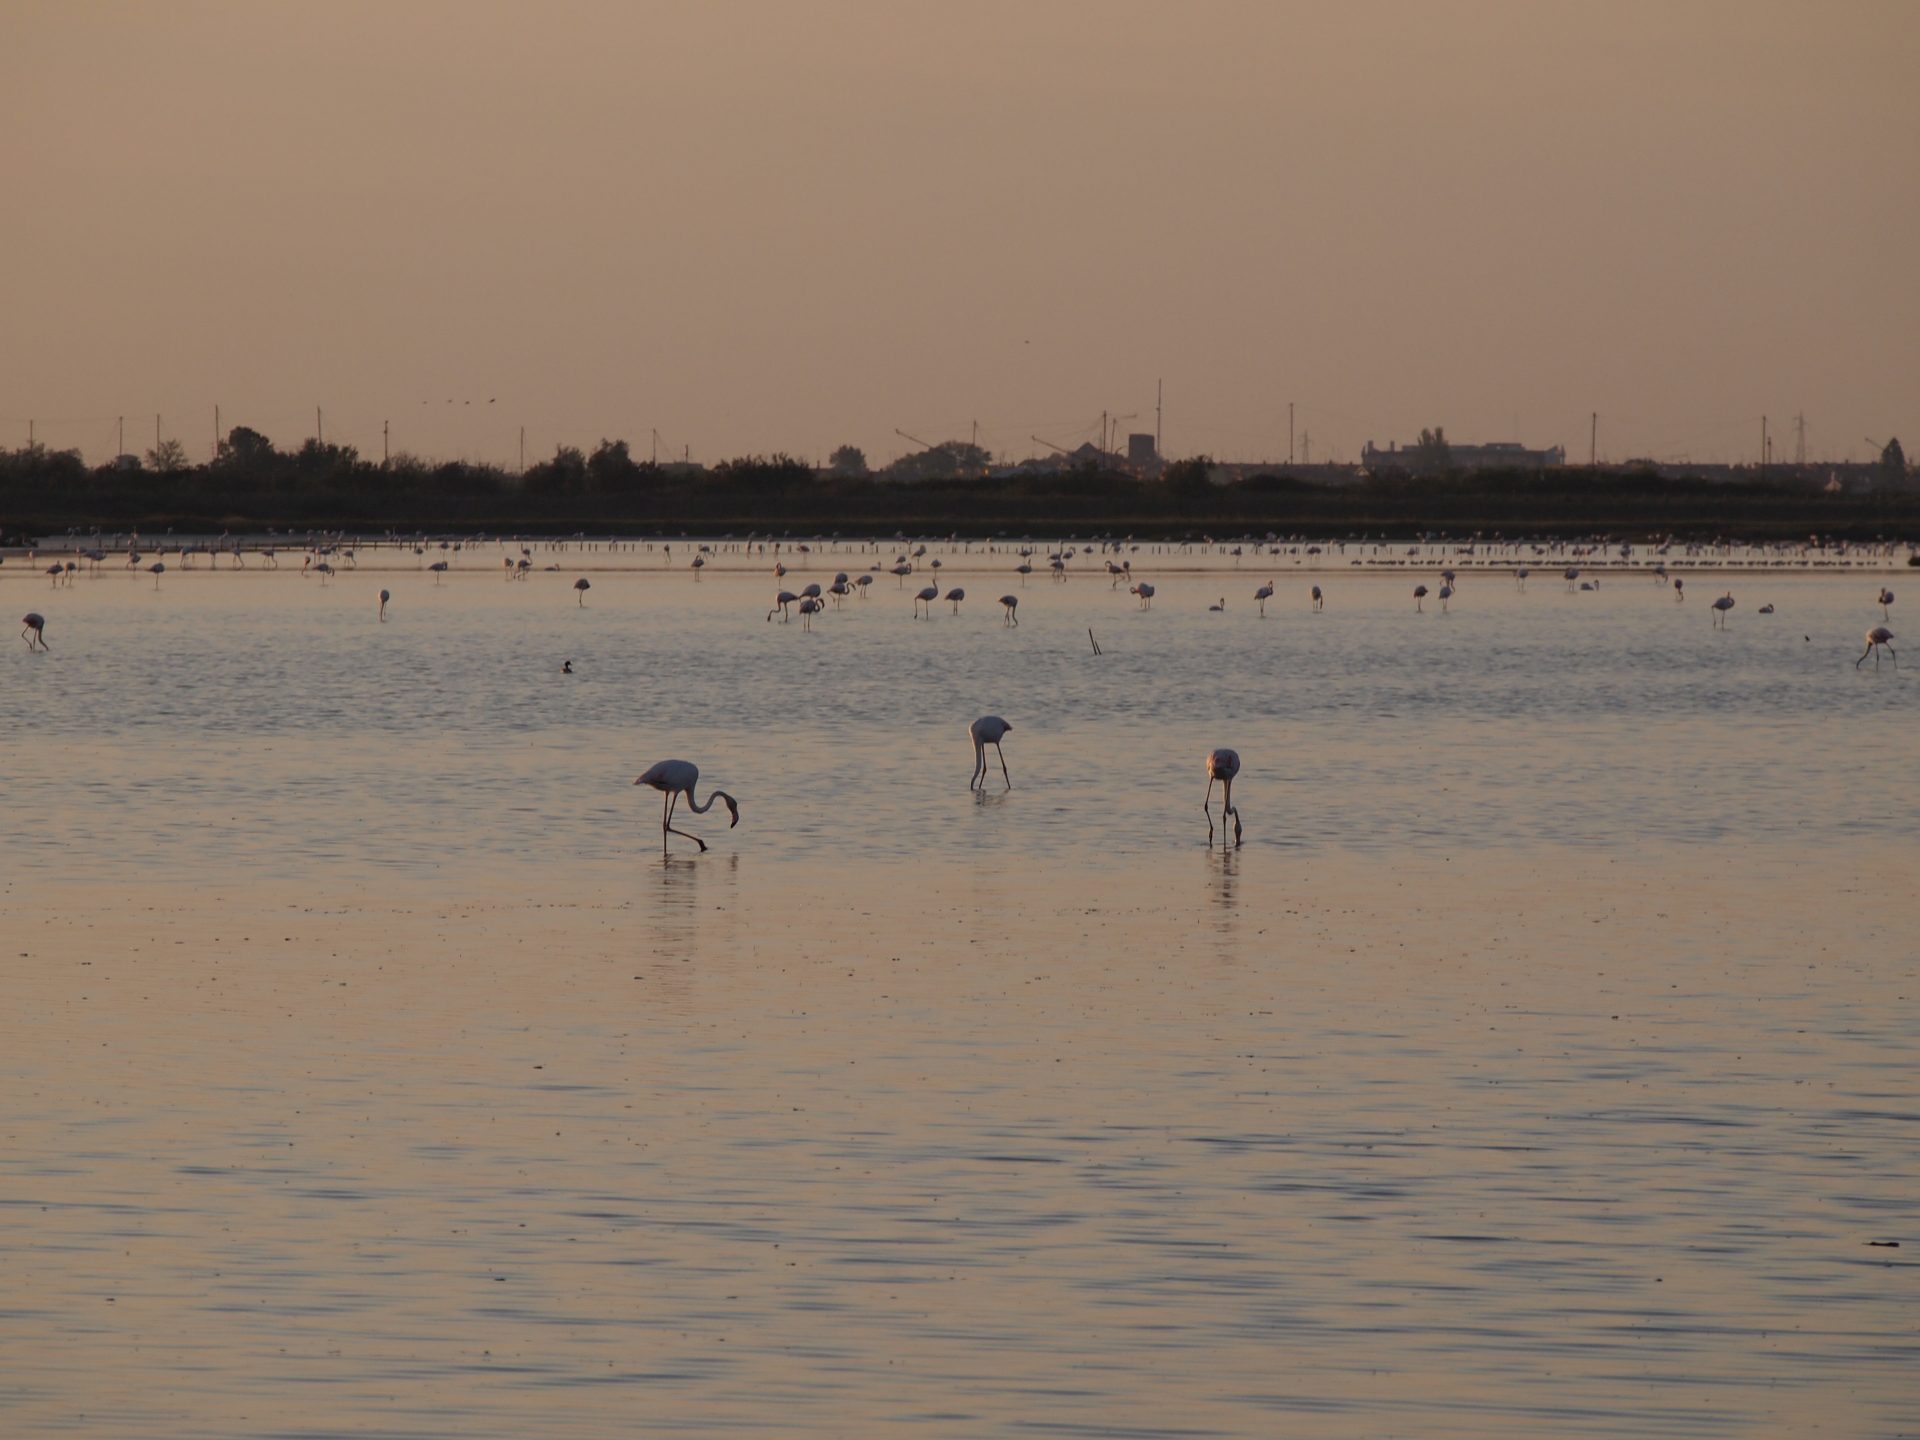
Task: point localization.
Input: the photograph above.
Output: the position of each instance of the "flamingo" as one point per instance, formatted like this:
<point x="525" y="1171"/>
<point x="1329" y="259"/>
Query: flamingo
<point x="955" y="596"/>
<point x="439" y="568"/>
<point x="156" y="570"/>
<point x="780" y="604"/>
<point x="987" y="730"/>
<point x="1222" y="765"/>
<point x="674" y="778"/>
<point x="926" y="597"/>
<point x="864" y="582"/>
<point x="1885" y="599"/>
<point x="1679" y="588"/>
<point x="581" y="586"/>
<point x="1446" y="594"/>
<point x="1720" y="609"/>
<point x="1145" y="592"/>
<point x="384" y="597"/>
<point x="1876" y="637"/>
<point x="1319" y="600"/>
<point x="699" y="564"/>
<point x="1520" y="578"/>
<point x="1264" y="594"/>
<point x="1572" y="575"/>
<point x="34" y="630"/>
<point x="808" y="606"/>
<point x="1012" y="603"/>
<point x="1419" y="594"/>
<point x="1023" y="569"/>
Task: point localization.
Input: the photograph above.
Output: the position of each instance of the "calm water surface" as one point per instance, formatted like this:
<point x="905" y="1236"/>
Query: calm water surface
<point x="1542" y="1064"/>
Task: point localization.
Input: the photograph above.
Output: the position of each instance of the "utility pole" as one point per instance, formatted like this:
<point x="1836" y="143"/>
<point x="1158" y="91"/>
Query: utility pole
<point x="1800" y="439"/>
<point x="216" y="432"/>
<point x="123" y="439"/>
<point x="386" y="453"/>
<point x="156" y="432"/>
<point x="1593" y="442"/>
<point x="1289" y="432"/>
<point x="1159" y="395"/>
<point x="523" y="449"/>
<point x="319" y="436"/>
<point x="1763" y="442"/>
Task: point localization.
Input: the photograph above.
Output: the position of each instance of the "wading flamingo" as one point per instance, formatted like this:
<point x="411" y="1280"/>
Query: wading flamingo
<point x="1876" y="637"/>
<point x="987" y="730"/>
<point x="1720" y="609"/>
<point x="34" y="630"/>
<point x="1222" y="765"/>
<point x="581" y="586"/>
<point x="1012" y="602"/>
<point x="674" y="778"/>
<point x="385" y="596"/>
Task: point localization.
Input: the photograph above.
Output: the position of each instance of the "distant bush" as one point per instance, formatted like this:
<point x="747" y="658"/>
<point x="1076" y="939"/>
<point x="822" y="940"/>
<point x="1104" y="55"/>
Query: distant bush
<point x="763" y="472"/>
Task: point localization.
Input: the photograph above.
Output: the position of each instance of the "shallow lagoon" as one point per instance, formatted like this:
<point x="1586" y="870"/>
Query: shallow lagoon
<point x="1542" y="1064"/>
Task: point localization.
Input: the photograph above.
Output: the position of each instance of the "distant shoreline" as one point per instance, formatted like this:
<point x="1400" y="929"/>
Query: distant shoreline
<point x="1566" y="504"/>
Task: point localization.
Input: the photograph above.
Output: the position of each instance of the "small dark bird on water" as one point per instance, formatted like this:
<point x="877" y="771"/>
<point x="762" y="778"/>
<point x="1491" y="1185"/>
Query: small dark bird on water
<point x="566" y="667"/>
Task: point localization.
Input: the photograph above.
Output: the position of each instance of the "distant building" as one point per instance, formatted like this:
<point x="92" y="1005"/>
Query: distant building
<point x="1141" y="451"/>
<point x="1495" y="455"/>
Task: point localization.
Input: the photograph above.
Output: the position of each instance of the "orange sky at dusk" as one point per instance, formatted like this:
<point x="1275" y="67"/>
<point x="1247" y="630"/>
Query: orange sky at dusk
<point x="761" y="227"/>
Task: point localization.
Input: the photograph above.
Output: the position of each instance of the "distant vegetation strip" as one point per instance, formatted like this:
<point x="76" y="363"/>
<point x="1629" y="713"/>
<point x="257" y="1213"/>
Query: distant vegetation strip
<point x="253" y="486"/>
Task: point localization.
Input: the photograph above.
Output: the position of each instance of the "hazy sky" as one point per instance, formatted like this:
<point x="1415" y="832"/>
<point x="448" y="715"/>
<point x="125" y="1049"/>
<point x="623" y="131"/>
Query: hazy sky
<point x="762" y="226"/>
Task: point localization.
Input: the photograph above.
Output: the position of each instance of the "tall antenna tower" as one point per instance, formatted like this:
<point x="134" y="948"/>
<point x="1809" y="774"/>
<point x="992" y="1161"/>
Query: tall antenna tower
<point x="1800" y="439"/>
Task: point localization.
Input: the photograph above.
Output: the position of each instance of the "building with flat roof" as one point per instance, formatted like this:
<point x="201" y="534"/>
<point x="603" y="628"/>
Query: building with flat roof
<point x="1494" y="455"/>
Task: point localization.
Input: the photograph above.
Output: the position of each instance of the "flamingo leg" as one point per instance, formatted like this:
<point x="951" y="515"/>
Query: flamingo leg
<point x="1206" y="811"/>
<point x="1226" y="808"/>
<point x="666" y="825"/>
<point x="979" y="766"/>
<point x="1003" y="764"/>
